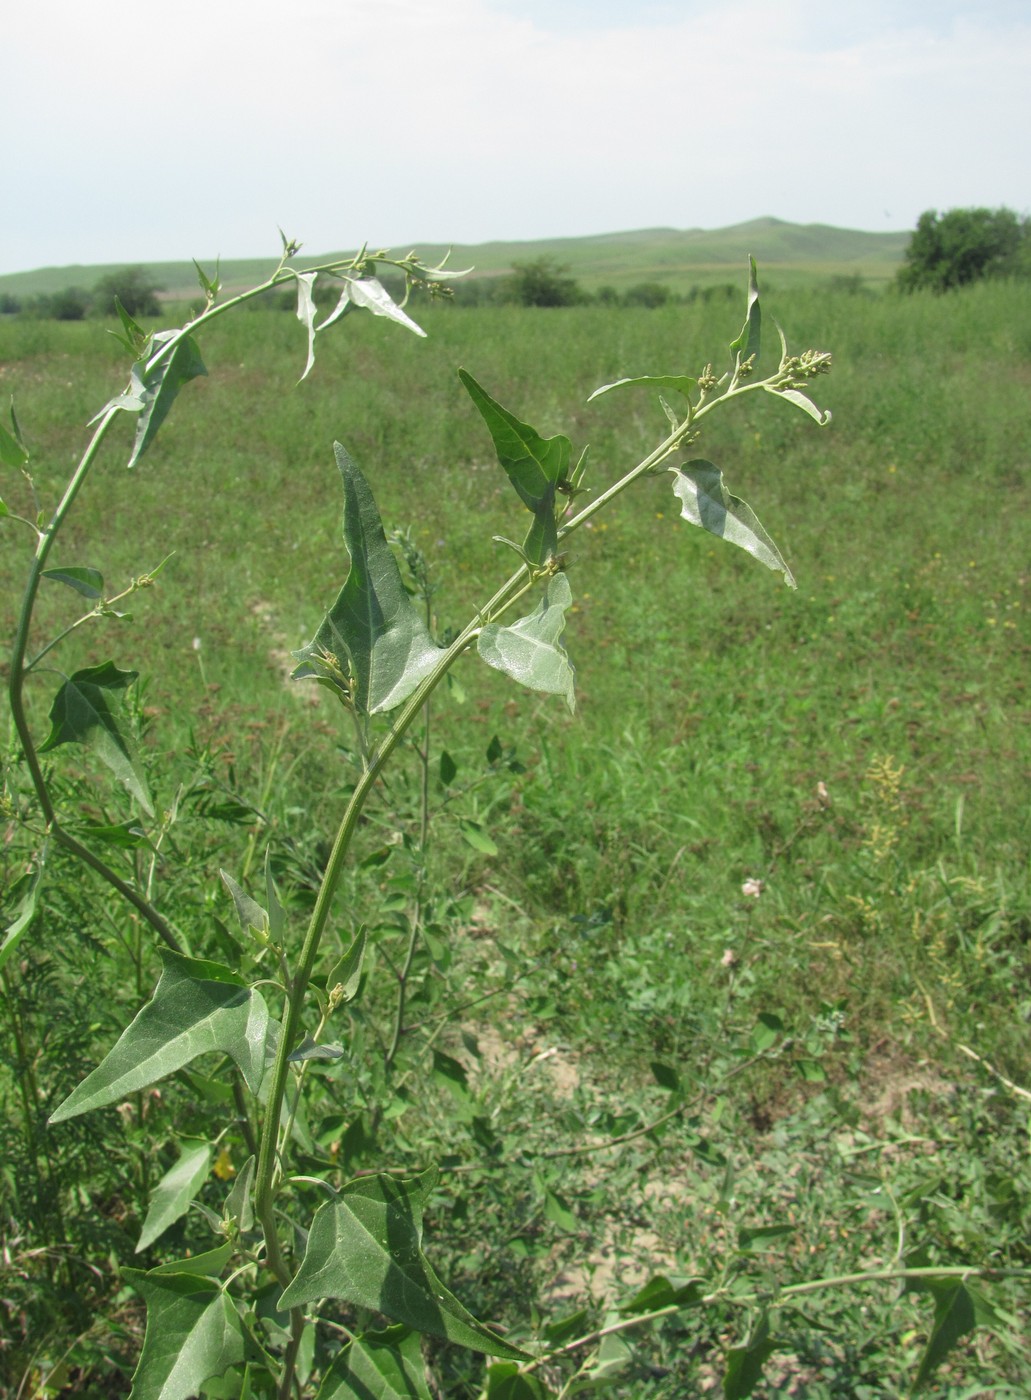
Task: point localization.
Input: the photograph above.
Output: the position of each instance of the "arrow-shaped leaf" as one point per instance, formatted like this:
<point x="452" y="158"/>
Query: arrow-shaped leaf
<point x="88" y="582"/>
<point x="378" y="1366"/>
<point x="747" y="343"/>
<point x="26" y="888"/>
<point x="157" y="386"/>
<point x="705" y="501"/>
<point x="529" y="651"/>
<point x="958" y="1309"/>
<point x="535" y="466"/>
<point x="370" y="293"/>
<point x="198" y="1006"/>
<point x="805" y="403"/>
<point x="365" y="1247"/>
<point x="81" y="714"/>
<point x="683" y="382"/>
<point x="193" y="1333"/>
<point x="373" y="624"/>
<point x="171" y="1197"/>
<point x="306" y="311"/>
<point x="745" y="1362"/>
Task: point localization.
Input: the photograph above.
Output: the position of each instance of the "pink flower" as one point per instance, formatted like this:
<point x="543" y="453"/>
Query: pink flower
<point x="752" y="889"/>
<point x="729" y="958"/>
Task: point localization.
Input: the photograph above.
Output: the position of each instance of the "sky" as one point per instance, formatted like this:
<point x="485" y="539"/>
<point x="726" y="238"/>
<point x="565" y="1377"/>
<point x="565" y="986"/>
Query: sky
<point x="135" y="133"/>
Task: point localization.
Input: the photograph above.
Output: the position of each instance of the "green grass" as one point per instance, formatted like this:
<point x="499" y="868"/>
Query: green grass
<point x="860" y="746"/>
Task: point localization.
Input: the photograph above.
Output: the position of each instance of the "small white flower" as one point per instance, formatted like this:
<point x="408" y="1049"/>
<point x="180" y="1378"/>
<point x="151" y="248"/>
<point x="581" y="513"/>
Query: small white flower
<point x="729" y="958"/>
<point x="752" y="889"/>
<point x="822" y="795"/>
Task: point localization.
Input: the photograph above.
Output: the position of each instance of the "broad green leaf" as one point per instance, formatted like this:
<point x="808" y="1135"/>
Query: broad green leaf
<point x="959" y="1307"/>
<point x="378" y="1366"/>
<point x="474" y="835"/>
<point x="448" y="768"/>
<point x="198" y="1006"/>
<point x="505" y="1381"/>
<point x="88" y="582"/>
<point x="239" y="1205"/>
<point x="529" y="650"/>
<point x="373" y="625"/>
<point x="365" y="1247"/>
<point x="157" y="386"/>
<point x="683" y="382"/>
<point x="12" y="454"/>
<point x="661" y="1292"/>
<point x="306" y="312"/>
<point x="745" y="1362"/>
<point x="81" y="714"/>
<point x="193" y="1333"/>
<point x="171" y="1197"/>
<point x="207" y="1265"/>
<point x="535" y="466"/>
<point x="25" y="889"/>
<point x="747" y="343"/>
<point x="802" y="401"/>
<point x="346" y="973"/>
<point x="311" y="1050"/>
<point x="370" y="293"/>
<point x="248" y="911"/>
<point x="705" y="501"/>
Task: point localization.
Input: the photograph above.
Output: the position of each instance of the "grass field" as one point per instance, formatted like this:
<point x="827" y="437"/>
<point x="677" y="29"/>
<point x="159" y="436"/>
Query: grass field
<point x="847" y="1046"/>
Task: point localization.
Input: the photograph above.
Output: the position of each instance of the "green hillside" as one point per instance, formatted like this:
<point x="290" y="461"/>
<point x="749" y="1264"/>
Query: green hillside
<point x="679" y="257"/>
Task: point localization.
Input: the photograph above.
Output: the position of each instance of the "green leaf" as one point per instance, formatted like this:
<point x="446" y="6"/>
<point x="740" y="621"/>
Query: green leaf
<point x="747" y="343"/>
<point x="12" y="453"/>
<point x="193" y="1333"/>
<point x="745" y="1362"/>
<point x="88" y="582"/>
<point x="249" y="912"/>
<point x="505" y="1381"/>
<point x="171" y="1197"/>
<point x="683" y="382"/>
<point x="135" y="338"/>
<point x="802" y="401"/>
<point x="705" y="501"/>
<point x="210" y="286"/>
<point x="306" y="311"/>
<point x="378" y="1366"/>
<point x="474" y="835"/>
<point x="529" y="650"/>
<point x="448" y="769"/>
<point x="347" y="972"/>
<point x="81" y="714"/>
<point x="157" y="386"/>
<point x="25" y="889"/>
<point x="198" y="1006"/>
<point x="661" y="1292"/>
<point x="370" y="293"/>
<point x="365" y="1247"/>
<point x="373" y="624"/>
<point x="535" y="466"/>
<point x="207" y="1265"/>
<point x="958" y="1308"/>
<point x="239" y="1206"/>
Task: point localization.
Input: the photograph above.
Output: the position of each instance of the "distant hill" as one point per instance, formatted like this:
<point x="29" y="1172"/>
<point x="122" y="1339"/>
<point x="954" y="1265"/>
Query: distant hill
<point x="679" y="257"/>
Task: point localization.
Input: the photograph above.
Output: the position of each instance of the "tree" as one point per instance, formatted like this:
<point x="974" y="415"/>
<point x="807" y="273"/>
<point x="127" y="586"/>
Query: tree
<point x="134" y="287"/>
<point x="648" y="294"/>
<point x="963" y="245"/>
<point x="70" y="304"/>
<point x="543" y="282"/>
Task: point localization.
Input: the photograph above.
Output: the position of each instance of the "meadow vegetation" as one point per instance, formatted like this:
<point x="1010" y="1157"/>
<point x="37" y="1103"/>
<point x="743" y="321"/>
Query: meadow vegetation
<point x="721" y="984"/>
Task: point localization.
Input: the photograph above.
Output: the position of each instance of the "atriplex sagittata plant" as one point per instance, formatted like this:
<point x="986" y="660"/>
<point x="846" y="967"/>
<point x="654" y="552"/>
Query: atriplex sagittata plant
<point x="289" y="1299"/>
